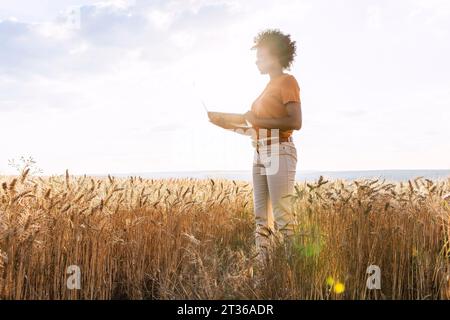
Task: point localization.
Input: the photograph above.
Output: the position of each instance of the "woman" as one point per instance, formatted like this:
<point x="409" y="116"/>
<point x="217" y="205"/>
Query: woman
<point x="273" y="116"/>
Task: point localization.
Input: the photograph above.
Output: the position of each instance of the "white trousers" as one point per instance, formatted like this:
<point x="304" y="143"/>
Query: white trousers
<point x="273" y="173"/>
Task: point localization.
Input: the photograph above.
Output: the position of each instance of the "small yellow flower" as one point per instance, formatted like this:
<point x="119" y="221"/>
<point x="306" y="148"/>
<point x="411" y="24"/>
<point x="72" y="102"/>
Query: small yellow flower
<point x="330" y="281"/>
<point x="339" y="287"/>
<point x="415" y="252"/>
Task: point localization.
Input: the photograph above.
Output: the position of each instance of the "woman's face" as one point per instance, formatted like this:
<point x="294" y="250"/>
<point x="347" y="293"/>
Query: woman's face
<point x="265" y="61"/>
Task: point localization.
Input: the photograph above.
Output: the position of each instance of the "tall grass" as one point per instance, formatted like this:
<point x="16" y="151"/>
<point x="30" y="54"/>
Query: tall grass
<point x="136" y="238"/>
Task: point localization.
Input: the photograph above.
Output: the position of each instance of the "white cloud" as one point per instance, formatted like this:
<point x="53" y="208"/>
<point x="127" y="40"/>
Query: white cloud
<point x="161" y="19"/>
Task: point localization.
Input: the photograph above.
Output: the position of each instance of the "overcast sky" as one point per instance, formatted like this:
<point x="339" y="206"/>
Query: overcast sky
<point x="108" y="87"/>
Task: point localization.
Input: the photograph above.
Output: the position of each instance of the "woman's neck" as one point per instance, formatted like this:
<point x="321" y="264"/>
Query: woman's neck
<point x="276" y="75"/>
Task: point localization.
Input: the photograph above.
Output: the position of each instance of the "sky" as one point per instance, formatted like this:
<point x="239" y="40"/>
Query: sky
<point x="116" y="86"/>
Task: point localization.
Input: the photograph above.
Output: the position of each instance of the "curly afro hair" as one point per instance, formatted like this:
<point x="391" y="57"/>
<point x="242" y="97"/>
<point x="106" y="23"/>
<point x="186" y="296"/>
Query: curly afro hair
<point x="279" y="44"/>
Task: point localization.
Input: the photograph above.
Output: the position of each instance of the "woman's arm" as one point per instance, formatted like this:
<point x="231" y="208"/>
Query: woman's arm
<point x="292" y="122"/>
<point x="221" y="123"/>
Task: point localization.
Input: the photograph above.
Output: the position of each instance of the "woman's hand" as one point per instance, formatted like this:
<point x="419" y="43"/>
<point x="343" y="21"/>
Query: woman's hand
<point x="218" y="121"/>
<point x="250" y="117"/>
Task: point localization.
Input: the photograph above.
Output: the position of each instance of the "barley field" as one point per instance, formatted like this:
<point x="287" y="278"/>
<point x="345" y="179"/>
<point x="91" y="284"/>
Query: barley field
<point x="135" y="238"/>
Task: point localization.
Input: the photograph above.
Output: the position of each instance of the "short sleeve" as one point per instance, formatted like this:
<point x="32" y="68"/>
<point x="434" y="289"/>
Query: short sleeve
<point x="290" y="90"/>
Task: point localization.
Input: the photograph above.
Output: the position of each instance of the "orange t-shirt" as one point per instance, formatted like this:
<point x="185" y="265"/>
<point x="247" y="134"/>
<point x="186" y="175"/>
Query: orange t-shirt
<point x="271" y="103"/>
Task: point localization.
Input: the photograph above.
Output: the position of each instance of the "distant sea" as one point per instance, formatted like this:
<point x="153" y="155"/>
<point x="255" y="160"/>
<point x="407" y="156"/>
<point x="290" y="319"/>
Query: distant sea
<point x="392" y="175"/>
